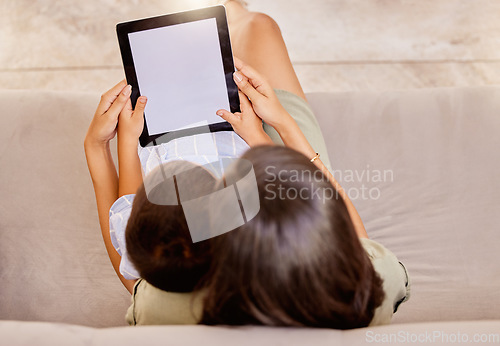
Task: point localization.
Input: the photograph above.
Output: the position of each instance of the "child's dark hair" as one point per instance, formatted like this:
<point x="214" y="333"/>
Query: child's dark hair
<point x="157" y="235"/>
<point x="299" y="262"/>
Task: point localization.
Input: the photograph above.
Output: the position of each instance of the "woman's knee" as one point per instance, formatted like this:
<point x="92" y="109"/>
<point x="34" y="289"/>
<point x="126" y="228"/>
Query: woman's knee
<point x="262" y="23"/>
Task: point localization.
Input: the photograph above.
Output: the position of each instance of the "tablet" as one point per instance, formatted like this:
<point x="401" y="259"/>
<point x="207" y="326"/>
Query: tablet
<point x="183" y="63"/>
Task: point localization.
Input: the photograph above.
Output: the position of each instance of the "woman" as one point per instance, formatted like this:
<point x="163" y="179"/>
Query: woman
<point x="299" y="261"/>
<point x="272" y="95"/>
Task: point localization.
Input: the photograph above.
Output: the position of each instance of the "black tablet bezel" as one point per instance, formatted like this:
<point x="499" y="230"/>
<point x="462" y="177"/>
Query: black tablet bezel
<point x="217" y="12"/>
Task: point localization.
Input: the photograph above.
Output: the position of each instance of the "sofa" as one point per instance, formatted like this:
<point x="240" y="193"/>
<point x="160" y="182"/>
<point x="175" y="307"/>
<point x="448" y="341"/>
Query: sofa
<point x="422" y="168"/>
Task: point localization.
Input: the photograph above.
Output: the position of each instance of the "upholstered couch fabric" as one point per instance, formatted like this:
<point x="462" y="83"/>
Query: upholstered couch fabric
<point x="422" y="168"/>
<point x="48" y="334"/>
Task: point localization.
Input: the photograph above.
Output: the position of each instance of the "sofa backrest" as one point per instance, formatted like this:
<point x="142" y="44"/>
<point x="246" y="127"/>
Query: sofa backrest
<point x="427" y="161"/>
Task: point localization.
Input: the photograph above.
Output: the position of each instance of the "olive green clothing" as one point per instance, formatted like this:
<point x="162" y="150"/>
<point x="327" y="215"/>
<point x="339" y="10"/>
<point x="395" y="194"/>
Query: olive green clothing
<point x="396" y="282"/>
<point x="151" y="305"/>
<point x="303" y="115"/>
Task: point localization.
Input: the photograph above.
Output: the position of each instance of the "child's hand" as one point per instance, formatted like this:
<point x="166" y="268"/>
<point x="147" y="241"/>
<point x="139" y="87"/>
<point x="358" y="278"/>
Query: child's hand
<point x="246" y="124"/>
<point x="103" y="126"/>
<point x="131" y="122"/>
<point x="260" y="93"/>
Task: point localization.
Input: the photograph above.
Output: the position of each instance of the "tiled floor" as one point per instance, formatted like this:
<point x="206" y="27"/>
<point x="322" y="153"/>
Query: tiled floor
<point x="335" y="45"/>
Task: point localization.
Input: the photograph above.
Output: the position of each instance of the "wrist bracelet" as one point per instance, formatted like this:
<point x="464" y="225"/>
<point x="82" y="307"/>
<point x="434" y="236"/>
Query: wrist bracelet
<point x="315" y="157"/>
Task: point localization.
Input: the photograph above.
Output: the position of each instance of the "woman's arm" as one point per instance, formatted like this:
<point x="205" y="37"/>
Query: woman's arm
<point x="268" y="108"/>
<point x="100" y="163"/>
<point x="294" y="138"/>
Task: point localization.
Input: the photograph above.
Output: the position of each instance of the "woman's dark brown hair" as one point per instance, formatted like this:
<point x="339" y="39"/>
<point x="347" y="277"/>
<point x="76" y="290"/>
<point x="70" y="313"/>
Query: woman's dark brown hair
<point x="299" y="262"/>
<point x="157" y="235"/>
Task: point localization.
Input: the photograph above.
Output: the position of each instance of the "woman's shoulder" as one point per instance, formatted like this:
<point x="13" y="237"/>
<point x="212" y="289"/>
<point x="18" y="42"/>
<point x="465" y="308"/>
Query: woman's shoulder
<point x="153" y="306"/>
<point x="396" y="281"/>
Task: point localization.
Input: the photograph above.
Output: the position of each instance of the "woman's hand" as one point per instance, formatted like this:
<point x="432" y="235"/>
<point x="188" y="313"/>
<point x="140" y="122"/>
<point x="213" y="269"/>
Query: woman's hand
<point x="260" y="93"/>
<point x="103" y="126"/>
<point x="246" y="124"/>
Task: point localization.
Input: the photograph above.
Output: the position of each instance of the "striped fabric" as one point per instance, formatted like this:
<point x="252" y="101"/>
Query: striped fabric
<point x="201" y="149"/>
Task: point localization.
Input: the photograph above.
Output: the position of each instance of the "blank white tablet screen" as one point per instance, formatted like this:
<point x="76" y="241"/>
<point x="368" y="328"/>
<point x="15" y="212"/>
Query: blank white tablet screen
<point x="179" y="68"/>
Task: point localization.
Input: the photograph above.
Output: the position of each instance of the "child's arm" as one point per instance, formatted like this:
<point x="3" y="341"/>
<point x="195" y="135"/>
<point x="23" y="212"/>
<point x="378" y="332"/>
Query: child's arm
<point x="268" y="108"/>
<point x="100" y="163"/>
<point x="130" y="128"/>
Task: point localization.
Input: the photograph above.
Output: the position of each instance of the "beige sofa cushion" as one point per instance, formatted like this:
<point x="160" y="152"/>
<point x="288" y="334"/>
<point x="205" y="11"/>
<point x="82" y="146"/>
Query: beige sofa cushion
<point x="438" y="333"/>
<point x="440" y="212"/>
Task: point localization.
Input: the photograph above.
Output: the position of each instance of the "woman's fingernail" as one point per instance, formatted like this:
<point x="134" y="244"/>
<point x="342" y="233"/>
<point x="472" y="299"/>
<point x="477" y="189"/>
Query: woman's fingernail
<point x="143" y="99"/>
<point x="238" y="77"/>
<point x="220" y="113"/>
<point x="127" y="91"/>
